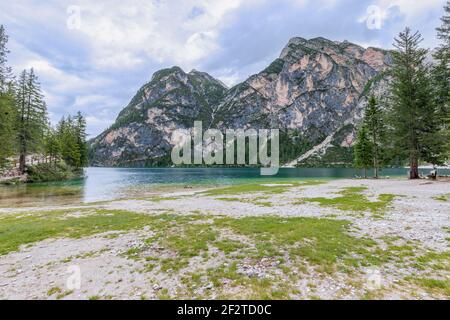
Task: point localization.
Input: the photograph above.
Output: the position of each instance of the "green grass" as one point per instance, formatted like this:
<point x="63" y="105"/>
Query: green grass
<point x="64" y="294"/>
<point x="246" y="189"/>
<point x="317" y="240"/>
<point x="258" y="201"/>
<point x="261" y="187"/>
<point x="26" y="229"/>
<point x="190" y="241"/>
<point x="320" y="241"/>
<point x="228" y="246"/>
<point x="297" y="244"/>
<point x="434" y="260"/>
<point x="443" y="197"/>
<point x="434" y="285"/>
<point x="54" y="290"/>
<point x="159" y="198"/>
<point x="353" y="199"/>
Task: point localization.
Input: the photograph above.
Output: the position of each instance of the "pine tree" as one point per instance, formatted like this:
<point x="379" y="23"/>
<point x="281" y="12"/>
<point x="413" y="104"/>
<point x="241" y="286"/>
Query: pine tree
<point x="7" y="128"/>
<point x="68" y="140"/>
<point x="6" y="76"/>
<point x="80" y="125"/>
<point x="441" y="75"/>
<point x="32" y="117"/>
<point x="363" y="150"/>
<point x="7" y="109"/>
<point x="412" y="110"/>
<point x="52" y="146"/>
<point x="374" y="124"/>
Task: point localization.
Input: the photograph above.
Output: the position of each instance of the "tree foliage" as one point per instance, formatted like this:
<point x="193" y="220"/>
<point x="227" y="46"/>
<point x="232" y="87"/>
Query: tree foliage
<point x="24" y="125"/>
<point x="374" y="124"/>
<point x="414" y="119"/>
<point x="32" y="118"/>
<point x="7" y="109"/>
<point x="441" y="75"/>
<point x="363" y="150"/>
<point x="70" y="137"/>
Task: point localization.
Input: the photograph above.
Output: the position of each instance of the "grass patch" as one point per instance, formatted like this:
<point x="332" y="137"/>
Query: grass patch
<point x="434" y="285"/>
<point x="258" y="201"/>
<point x="54" y="290"/>
<point x="26" y="229"/>
<point x="352" y="199"/>
<point x="64" y="294"/>
<point x="262" y="187"/>
<point x="320" y="241"/>
<point x="159" y="198"/>
<point x="434" y="260"/>
<point x="443" y="197"/>
<point x="188" y="242"/>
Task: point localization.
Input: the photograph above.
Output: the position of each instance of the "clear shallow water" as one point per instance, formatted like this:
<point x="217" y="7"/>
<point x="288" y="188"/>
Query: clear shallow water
<point x="114" y="183"/>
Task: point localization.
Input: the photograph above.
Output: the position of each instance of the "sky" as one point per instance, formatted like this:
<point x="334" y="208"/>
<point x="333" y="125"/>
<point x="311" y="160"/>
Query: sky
<point x="93" y="56"/>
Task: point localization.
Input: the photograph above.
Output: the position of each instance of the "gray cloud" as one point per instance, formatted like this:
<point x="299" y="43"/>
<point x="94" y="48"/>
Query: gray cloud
<point x="99" y="68"/>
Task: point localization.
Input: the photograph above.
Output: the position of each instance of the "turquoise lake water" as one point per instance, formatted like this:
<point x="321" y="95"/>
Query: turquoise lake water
<point x="114" y="183"/>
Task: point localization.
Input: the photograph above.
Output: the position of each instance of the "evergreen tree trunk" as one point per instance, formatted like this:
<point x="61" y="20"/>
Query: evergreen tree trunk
<point x="375" y="158"/>
<point x="414" y="167"/>
<point x="22" y="162"/>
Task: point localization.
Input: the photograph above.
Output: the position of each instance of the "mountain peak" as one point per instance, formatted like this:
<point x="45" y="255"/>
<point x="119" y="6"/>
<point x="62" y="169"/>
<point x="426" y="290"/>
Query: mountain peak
<point x="166" y="72"/>
<point x="207" y="77"/>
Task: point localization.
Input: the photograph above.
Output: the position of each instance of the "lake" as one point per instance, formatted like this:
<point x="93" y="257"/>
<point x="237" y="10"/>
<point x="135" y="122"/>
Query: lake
<point x="102" y="184"/>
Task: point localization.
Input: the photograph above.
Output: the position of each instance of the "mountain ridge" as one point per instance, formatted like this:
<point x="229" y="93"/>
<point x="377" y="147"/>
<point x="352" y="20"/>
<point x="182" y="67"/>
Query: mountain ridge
<point x="313" y="90"/>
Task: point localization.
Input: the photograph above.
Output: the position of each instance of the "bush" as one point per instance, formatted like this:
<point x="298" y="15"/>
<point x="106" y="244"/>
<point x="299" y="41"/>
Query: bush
<point x="46" y="172"/>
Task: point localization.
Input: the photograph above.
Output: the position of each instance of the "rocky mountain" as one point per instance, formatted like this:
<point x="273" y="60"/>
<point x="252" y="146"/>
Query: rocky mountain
<point x="314" y="93"/>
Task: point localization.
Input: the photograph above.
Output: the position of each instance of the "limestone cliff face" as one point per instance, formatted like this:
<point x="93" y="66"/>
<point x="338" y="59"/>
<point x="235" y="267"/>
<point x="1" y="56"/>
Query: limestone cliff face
<point x="316" y="88"/>
<point x="141" y="134"/>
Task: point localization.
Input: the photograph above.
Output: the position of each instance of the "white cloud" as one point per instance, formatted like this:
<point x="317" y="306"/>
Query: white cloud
<point x="127" y="34"/>
<point x="98" y="67"/>
<point x="411" y="10"/>
<point x="61" y="80"/>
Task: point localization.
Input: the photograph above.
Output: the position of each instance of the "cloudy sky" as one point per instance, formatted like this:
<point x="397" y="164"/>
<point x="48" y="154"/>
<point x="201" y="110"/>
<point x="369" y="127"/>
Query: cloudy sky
<point x="93" y="56"/>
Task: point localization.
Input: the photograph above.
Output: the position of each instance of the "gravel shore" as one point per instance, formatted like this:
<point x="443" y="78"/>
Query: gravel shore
<point x="418" y="216"/>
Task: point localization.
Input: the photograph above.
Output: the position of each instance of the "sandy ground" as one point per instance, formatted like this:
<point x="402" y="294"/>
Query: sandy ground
<point x="106" y="272"/>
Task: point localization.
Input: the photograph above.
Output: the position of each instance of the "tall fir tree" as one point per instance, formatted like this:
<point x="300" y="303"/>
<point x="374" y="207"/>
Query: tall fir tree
<point x="80" y="125"/>
<point x="68" y="140"/>
<point x="374" y="124"/>
<point x="6" y="75"/>
<point x="363" y="150"/>
<point x="31" y="118"/>
<point x="441" y="74"/>
<point x="412" y="111"/>
<point x="52" y="148"/>
<point x="7" y="107"/>
<point x="7" y="127"/>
